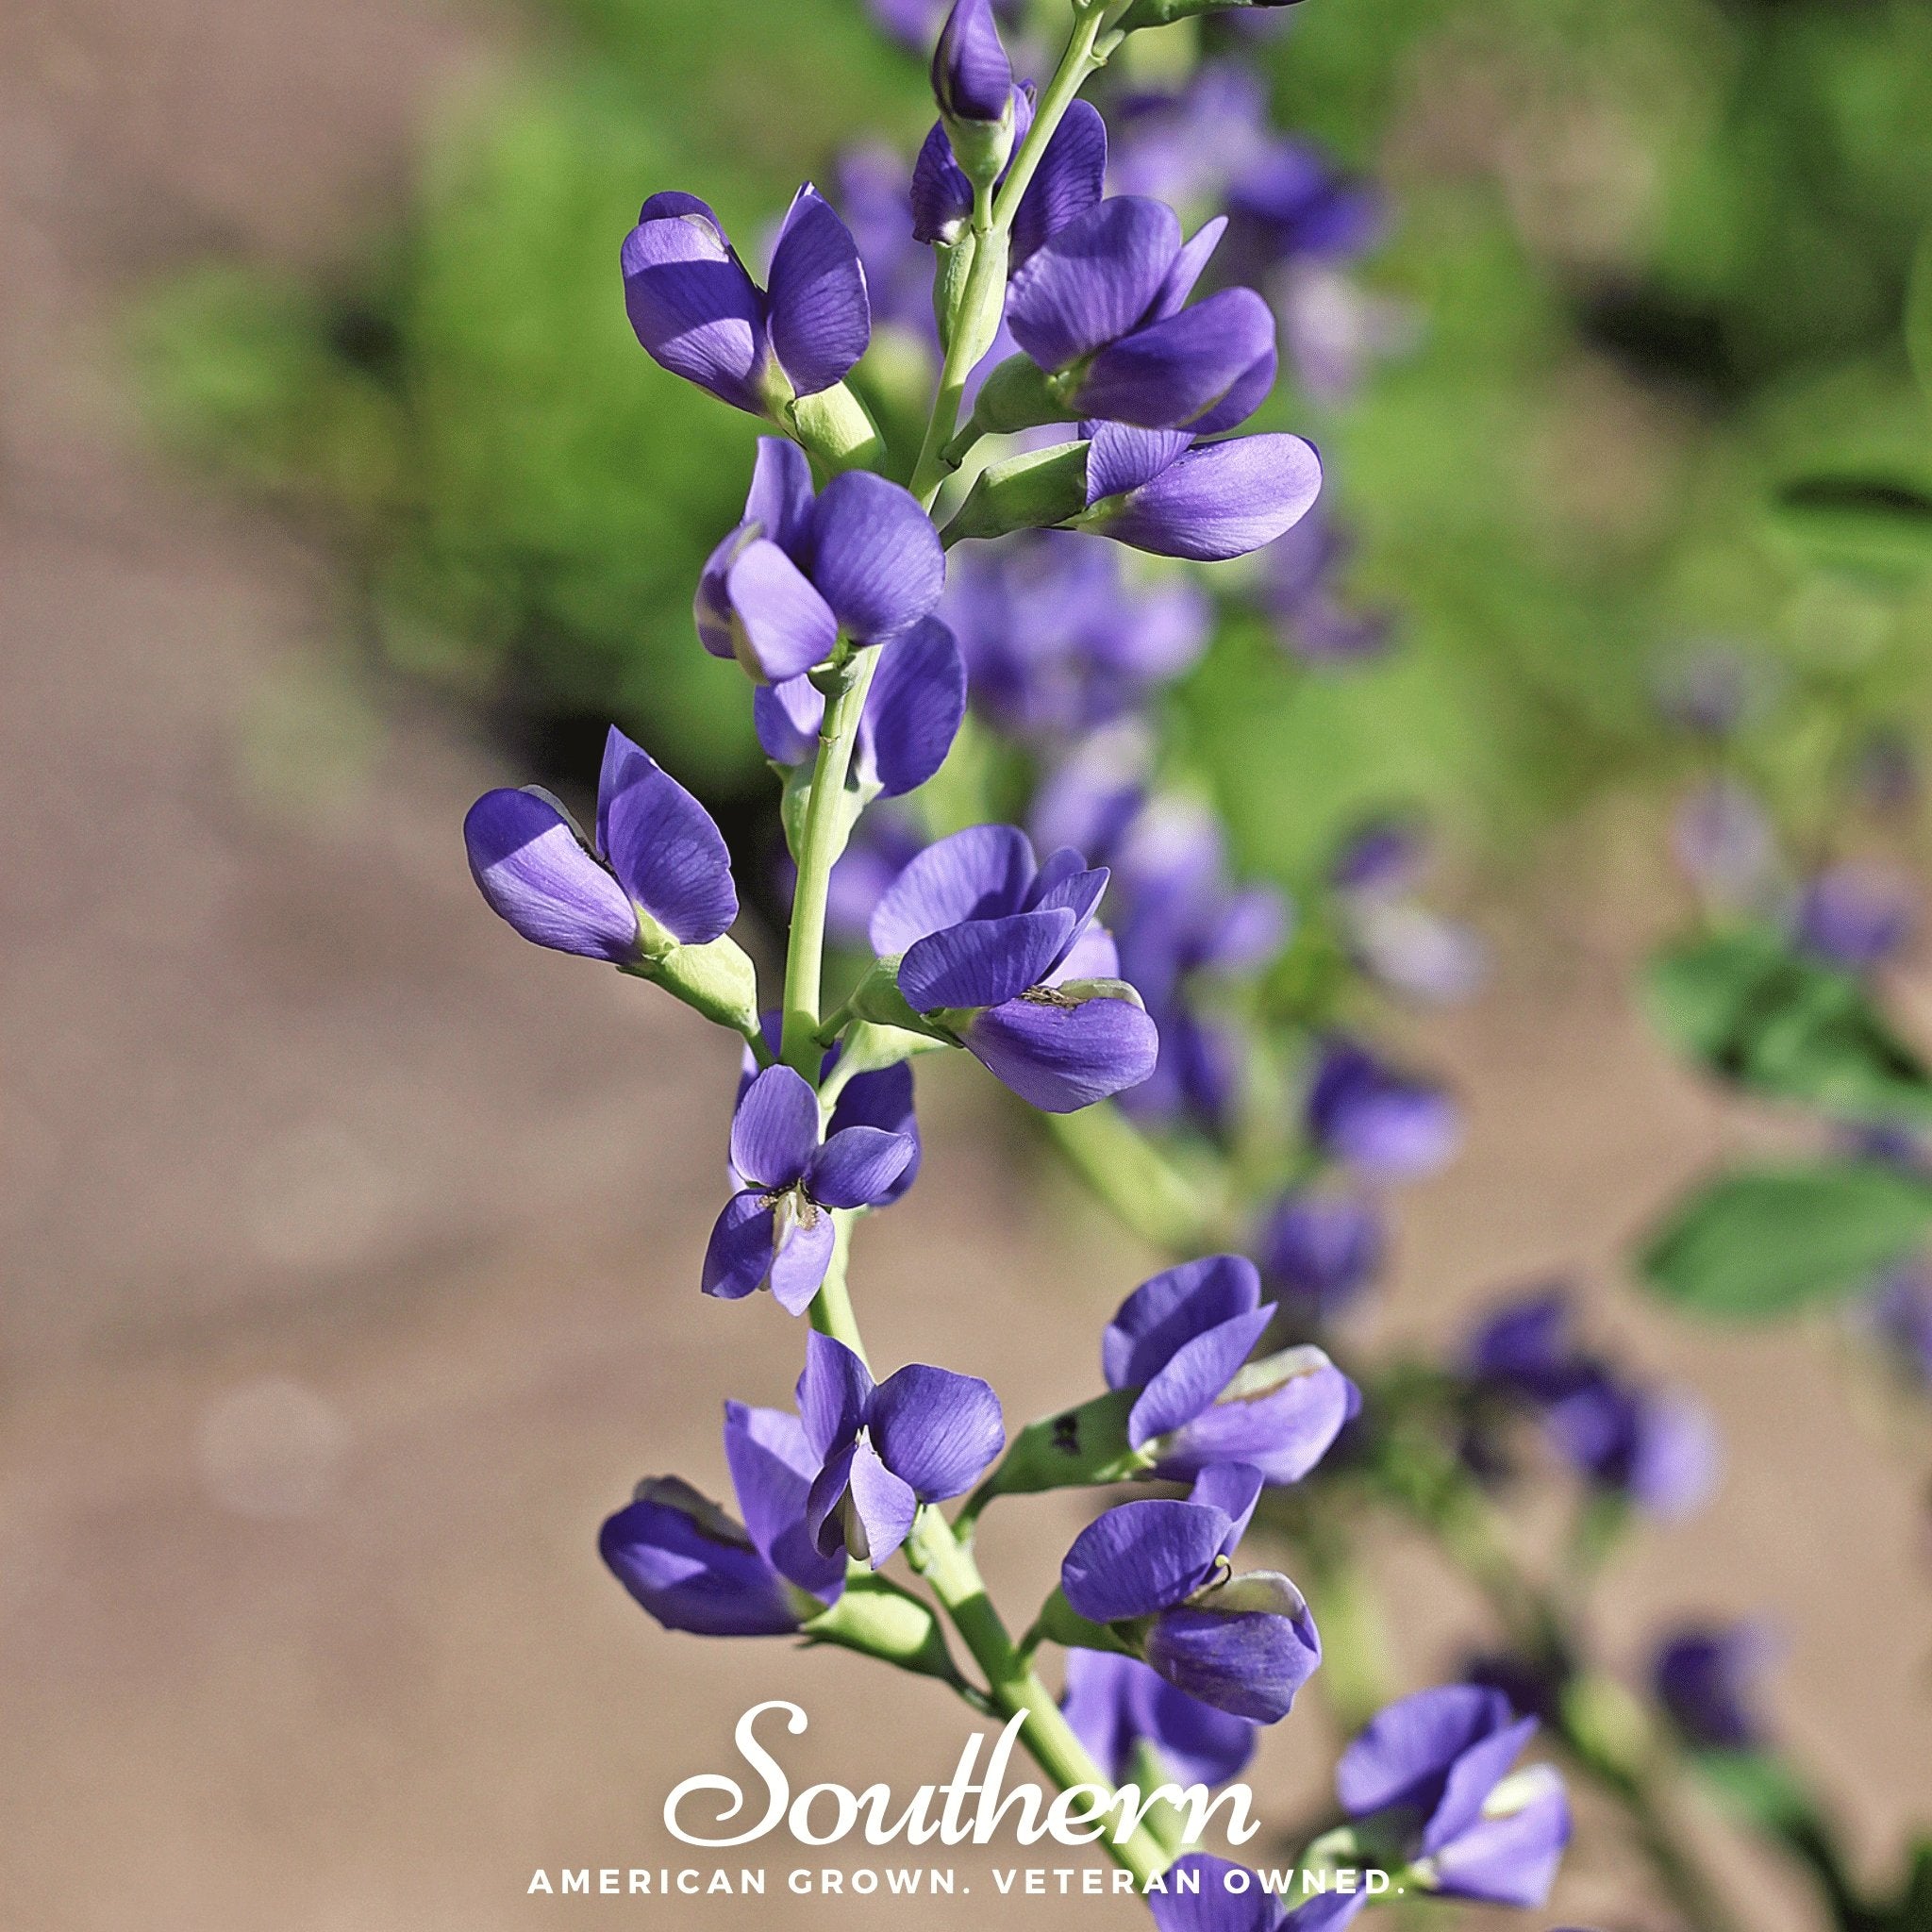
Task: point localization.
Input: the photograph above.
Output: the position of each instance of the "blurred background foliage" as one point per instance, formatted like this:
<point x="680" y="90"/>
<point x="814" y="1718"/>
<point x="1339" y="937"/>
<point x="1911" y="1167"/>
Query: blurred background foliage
<point x="1660" y="258"/>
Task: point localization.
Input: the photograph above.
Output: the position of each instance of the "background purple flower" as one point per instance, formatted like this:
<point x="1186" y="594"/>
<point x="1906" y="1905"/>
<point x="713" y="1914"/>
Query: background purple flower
<point x="1853" y="916"/>
<point x="1708" y="1678"/>
<point x="1384" y="1125"/>
<point x="1117" y="1706"/>
<point x="1320" y="1250"/>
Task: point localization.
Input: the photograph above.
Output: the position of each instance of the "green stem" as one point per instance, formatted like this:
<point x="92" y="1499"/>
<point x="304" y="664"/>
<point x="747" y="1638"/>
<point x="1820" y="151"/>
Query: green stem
<point x="818" y="848"/>
<point x="831" y="1309"/>
<point x="948" y="1566"/>
<point x="1130" y="1175"/>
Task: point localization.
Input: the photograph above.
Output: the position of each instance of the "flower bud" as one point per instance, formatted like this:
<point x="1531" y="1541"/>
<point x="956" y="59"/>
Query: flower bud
<point x="1034" y="491"/>
<point x="972" y="81"/>
<point x="1144" y="13"/>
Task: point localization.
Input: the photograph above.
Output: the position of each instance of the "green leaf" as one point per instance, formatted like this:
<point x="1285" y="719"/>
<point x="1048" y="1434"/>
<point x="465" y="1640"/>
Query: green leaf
<point x="1762" y="1017"/>
<point x="1876" y="524"/>
<point x="1765" y="1241"/>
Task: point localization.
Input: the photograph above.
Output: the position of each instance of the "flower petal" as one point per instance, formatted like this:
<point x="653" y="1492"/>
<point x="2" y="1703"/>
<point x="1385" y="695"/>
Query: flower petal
<point x="983" y="962"/>
<point x="787" y="717"/>
<point x="972" y="77"/>
<point x="1192" y="1378"/>
<point x="1250" y="1661"/>
<point x="1217" y="1906"/>
<point x="806" y="1236"/>
<point x="1093" y="280"/>
<point x="978" y="874"/>
<point x="666" y="851"/>
<point x="1170" y="1309"/>
<point x="685" y="1563"/>
<point x="915" y="707"/>
<point x="1198" y="1743"/>
<point x="936" y="1430"/>
<point x="1221" y="500"/>
<point x="1069" y="181"/>
<point x="738" y="1255"/>
<point x="883" y="1504"/>
<point x="782" y="625"/>
<point x="1475" y="1775"/>
<point x="1187" y="270"/>
<point x="1121" y="457"/>
<point x="875" y="557"/>
<point x="771" y="1468"/>
<point x="941" y="195"/>
<point x="780" y="497"/>
<point x="690" y="300"/>
<point x="1063" y="1057"/>
<point x="1141" y="1557"/>
<point x="533" y="869"/>
<point x="857" y="1167"/>
<point x="882" y="1099"/>
<point x="1280" y="1415"/>
<point x="835" y="1392"/>
<point x="819" y="318"/>
<point x="1234" y="1488"/>
<point x="775" y="1129"/>
<point x="1173" y="372"/>
<point x="1403" y="1755"/>
<point x="1511" y="1860"/>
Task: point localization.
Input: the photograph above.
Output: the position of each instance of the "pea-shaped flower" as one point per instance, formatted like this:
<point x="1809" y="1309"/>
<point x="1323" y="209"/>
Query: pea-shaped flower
<point x="700" y="315"/>
<point x="1100" y="306"/>
<point x="694" y="1568"/>
<point x="1067" y="182"/>
<point x="657" y="877"/>
<point x="1126" y="1714"/>
<point x="776" y="1231"/>
<point x="1157" y="1574"/>
<point x="1321" y="1250"/>
<point x="1375" y="1120"/>
<point x="860" y="558"/>
<point x="920" y="1436"/>
<point x="1182" y="1341"/>
<point x="1001" y="954"/>
<point x="1706" y="1676"/>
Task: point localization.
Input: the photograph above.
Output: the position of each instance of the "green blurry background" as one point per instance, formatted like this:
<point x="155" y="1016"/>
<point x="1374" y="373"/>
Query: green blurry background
<point x="1662" y="254"/>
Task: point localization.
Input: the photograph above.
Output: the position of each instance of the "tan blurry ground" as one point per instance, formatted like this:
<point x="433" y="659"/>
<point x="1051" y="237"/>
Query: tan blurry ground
<point x="350" y="1245"/>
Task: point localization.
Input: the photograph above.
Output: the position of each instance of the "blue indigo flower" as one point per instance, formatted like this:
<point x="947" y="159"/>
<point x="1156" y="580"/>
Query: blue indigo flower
<point x="1300" y="589"/>
<point x="1117" y="1707"/>
<point x="912" y="713"/>
<point x="1526" y="1347"/>
<point x="1706" y="1677"/>
<point x="1394" y="937"/>
<point x="920" y="1436"/>
<point x="1853" y="916"/>
<point x="1182" y="1339"/>
<point x="1004" y="954"/>
<point x="1055" y="642"/>
<point x="1099" y="307"/>
<point x="860" y="559"/>
<point x="1382" y="1124"/>
<point x="875" y="193"/>
<point x="1162" y="491"/>
<point x="776" y="1231"/>
<point x="658" y="876"/>
<point x="694" y="1569"/>
<point x="972" y="77"/>
<point x="1433" y="1772"/>
<point x="1066" y="183"/>
<point x="1157" y="1574"/>
<point x="1321" y="1250"/>
<point x="700" y="315"/>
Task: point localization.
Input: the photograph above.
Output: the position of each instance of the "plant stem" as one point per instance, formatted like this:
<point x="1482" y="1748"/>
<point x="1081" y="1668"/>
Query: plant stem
<point x="805" y="952"/>
<point x="1130" y="1175"/>
<point x="948" y="1566"/>
<point x="831" y="1308"/>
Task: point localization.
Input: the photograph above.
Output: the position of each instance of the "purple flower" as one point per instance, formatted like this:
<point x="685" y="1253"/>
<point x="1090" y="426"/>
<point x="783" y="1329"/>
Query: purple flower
<point x="659" y="875"/>
<point x="775" y="1230"/>
<point x="1378" y="1121"/>
<point x="1853" y="916"/>
<point x="876" y="194"/>
<point x="1723" y="839"/>
<point x="1004" y="954"/>
<point x="1065" y="184"/>
<point x="1300" y="590"/>
<point x="913" y="22"/>
<point x="1900" y="1314"/>
<point x="1054" y="641"/>
<point x="1160" y="491"/>
<point x="1321" y="1250"/>
<point x="1435" y="1768"/>
<point x="972" y="77"/>
<point x="1526" y="1348"/>
<point x="860" y="558"/>
<point x="882" y="845"/>
<point x="1204" y="1893"/>
<point x="1182" y="1340"/>
<point x="1156" y="1573"/>
<point x="1118" y="1708"/>
<point x="920" y="1436"/>
<point x="700" y="315"/>
<point x="694" y="1569"/>
<point x="1707" y="1678"/>
<point x="1099" y="307"/>
<point x="912" y="713"/>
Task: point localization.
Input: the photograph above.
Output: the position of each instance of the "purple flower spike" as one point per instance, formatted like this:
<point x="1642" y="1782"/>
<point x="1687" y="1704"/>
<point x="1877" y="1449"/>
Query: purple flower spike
<point x="1435" y="1767"/>
<point x="1320" y="1251"/>
<point x="694" y="1569"/>
<point x="1182" y="1340"/>
<point x="1157" y="1573"/>
<point x="912" y="713"/>
<point x="972" y="77"/>
<point x="1099" y="307"/>
<point x="860" y="559"/>
<point x="775" y="1231"/>
<point x="920" y="1436"/>
<point x="699" y="314"/>
<point x="659" y="875"/>
<point x="1707" y="1677"/>
<point x="1157" y="492"/>
<point x="1117" y="1705"/>
<point x="1386" y="1127"/>
<point x="1003" y="952"/>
